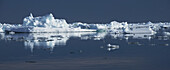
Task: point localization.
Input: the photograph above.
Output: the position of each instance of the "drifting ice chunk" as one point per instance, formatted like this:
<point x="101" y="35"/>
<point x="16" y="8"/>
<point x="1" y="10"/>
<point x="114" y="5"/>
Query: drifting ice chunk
<point x="139" y="30"/>
<point x="112" y="47"/>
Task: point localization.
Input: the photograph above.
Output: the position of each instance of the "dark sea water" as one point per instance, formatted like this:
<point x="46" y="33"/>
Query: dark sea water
<point x="84" y="51"/>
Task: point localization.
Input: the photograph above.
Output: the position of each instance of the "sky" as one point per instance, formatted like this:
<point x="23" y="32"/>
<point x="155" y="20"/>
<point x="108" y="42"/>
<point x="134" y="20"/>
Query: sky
<point x="89" y="11"/>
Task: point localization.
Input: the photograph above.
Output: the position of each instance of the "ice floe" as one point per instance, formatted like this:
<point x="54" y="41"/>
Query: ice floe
<point x="112" y="47"/>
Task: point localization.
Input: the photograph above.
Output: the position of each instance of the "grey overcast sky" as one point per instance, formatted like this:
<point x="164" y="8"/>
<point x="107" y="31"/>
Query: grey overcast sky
<point x="91" y="11"/>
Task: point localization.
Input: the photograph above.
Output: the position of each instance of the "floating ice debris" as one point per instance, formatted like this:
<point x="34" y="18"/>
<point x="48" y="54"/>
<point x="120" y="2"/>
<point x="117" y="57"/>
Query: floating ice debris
<point x="116" y="46"/>
<point x="163" y="44"/>
<point x="59" y="38"/>
<point x="101" y="47"/>
<point x="11" y="32"/>
<point x="139" y="30"/>
<point x="80" y="51"/>
<point x="109" y="45"/>
<point x="96" y="36"/>
<point x="112" y="47"/>
<point x="166" y="44"/>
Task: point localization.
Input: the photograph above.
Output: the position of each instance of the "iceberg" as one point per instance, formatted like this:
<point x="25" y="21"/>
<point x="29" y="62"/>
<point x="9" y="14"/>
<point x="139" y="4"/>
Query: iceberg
<point x="47" y="21"/>
<point x="44" y="24"/>
<point x="48" y="24"/>
<point x="112" y="47"/>
<point x="139" y="30"/>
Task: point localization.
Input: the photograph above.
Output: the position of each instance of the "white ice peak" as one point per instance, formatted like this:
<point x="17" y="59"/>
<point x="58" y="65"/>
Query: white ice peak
<point x="44" y="21"/>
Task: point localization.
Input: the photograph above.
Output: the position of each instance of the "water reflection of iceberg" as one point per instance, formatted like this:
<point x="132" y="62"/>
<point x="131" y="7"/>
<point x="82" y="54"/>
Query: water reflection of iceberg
<point x="50" y="40"/>
<point x="2" y="35"/>
<point x="45" y="40"/>
<point x="97" y="36"/>
<point x="132" y="36"/>
<point x="139" y="36"/>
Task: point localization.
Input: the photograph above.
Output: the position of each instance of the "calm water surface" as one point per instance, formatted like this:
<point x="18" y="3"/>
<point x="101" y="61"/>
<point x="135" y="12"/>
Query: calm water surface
<point x="84" y="51"/>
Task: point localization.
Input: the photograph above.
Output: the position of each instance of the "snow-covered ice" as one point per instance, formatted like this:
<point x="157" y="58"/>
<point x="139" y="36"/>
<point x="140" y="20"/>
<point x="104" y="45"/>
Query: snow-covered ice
<point x="139" y="30"/>
<point x="48" y="23"/>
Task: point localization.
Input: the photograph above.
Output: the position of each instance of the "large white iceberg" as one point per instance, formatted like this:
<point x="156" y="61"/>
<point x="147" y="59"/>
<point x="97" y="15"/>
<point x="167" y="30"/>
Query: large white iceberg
<point x="45" y="21"/>
<point x="46" y="24"/>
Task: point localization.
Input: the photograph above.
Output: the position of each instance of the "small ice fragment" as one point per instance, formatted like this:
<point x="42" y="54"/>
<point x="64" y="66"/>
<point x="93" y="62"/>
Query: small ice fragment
<point x="112" y="47"/>
<point x="108" y="45"/>
<point x="59" y="38"/>
<point x="96" y="36"/>
<point x="12" y="33"/>
<point x="166" y="44"/>
<point x="80" y="51"/>
<point x="101" y="47"/>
